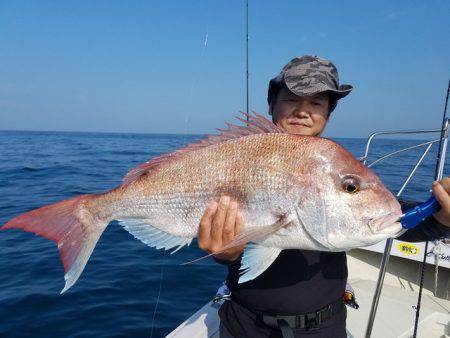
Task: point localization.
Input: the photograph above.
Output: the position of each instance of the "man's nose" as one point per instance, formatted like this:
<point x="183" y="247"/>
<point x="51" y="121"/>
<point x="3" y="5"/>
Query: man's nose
<point x="301" y="110"/>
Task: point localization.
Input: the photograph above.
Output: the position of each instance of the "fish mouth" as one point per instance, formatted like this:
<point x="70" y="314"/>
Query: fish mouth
<point x="386" y="224"/>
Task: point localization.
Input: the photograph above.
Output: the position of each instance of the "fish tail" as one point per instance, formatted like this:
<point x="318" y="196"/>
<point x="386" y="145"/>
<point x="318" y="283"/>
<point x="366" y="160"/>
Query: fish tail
<point x="70" y="224"/>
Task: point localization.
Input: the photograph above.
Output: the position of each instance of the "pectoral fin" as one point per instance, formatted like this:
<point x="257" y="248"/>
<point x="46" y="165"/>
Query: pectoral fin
<point x="151" y="236"/>
<point x="251" y="234"/>
<point x="256" y="234"/>
<point x="256" y="260"/>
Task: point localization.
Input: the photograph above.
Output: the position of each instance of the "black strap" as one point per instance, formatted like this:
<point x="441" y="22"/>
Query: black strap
<point x="286" y="330"/>
<point x="303" y="321"/>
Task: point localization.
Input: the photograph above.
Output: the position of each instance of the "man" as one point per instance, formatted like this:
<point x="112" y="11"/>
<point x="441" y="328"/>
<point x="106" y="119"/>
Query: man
<point x="304" y="287"/>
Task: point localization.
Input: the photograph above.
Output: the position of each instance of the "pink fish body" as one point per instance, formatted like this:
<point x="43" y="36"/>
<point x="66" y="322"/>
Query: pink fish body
<point x="296" y="192"/>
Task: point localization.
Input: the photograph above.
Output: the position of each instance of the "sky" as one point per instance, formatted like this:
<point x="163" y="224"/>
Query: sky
<point x="179" y="66"/>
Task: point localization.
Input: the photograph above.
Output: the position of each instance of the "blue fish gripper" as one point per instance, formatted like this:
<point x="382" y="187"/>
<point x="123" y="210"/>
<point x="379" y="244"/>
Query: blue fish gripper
<point x="413" y="217"/>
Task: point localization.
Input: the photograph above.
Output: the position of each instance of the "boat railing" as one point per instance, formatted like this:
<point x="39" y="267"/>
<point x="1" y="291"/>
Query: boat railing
<point x="387" y="250"/>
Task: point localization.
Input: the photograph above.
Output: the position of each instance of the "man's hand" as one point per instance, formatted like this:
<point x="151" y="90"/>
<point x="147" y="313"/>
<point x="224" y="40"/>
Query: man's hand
<point x="218" y="226"/>
<point x="441" y="190"/>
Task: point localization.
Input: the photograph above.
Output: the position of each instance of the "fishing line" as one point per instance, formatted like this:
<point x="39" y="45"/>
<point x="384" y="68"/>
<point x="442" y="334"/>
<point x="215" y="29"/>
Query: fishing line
<point x="199" y="64"/>
<point x="246" y="60"/>
<point x="186" y="129"/>
<point x="161" y="275"/>
<point x="195" y="78"/>
<point x="436" y="175"/>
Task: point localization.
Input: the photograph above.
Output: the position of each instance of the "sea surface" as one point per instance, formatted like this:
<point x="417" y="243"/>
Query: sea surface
<point x="127" y="288"/>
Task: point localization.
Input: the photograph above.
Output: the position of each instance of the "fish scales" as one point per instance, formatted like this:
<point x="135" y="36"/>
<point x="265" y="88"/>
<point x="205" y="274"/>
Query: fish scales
<point x="258" y="168"/>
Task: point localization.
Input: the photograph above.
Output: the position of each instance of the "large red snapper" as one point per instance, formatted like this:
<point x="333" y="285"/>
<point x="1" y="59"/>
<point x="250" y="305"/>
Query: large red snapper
<point x="295" y="192"/>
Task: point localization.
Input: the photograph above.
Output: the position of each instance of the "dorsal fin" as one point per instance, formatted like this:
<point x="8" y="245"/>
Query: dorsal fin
<point x="256" y="124"/>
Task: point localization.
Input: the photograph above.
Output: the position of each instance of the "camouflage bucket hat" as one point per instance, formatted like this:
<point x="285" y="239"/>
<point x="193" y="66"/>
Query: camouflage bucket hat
<point x="309" y="75"/>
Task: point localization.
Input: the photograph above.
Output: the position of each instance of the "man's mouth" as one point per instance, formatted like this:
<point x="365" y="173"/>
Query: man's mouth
<point x="299" y="123"/>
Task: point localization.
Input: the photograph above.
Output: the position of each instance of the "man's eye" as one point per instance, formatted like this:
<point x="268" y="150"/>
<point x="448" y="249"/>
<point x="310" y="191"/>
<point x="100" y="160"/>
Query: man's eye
<point x="316" y="103"/>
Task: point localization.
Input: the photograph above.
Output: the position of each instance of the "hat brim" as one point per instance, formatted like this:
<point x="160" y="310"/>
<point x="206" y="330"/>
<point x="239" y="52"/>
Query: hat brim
<point x="337" y="94"/>
<point x="277" y="82"/>
<point x="342" y="91"/>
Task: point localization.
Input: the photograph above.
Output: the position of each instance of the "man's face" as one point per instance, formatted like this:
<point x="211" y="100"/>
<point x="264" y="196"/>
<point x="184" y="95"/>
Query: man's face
<point x="305" y="115"/>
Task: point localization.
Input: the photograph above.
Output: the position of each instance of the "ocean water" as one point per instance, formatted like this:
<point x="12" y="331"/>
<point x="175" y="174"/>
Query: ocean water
<point x="127" y="288"/>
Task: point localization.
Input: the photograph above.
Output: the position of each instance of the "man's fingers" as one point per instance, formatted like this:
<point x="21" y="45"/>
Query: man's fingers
<point x="218" y="222"/>
<point x="445" y="183"/>
<point x="239" y="222"/>
<point x="441" y="195"/>
<point x="230" y="223"/>
<point x="239" y="228"/>
<point x="204" y="229"/>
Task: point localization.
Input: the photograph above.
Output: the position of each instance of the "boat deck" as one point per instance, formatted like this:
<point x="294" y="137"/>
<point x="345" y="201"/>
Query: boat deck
<point x="396" y="309"/>
<point x="395" y="317"/>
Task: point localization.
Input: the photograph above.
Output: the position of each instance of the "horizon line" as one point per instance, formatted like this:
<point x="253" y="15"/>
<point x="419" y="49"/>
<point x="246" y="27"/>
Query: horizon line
<point x="175" y="134"/>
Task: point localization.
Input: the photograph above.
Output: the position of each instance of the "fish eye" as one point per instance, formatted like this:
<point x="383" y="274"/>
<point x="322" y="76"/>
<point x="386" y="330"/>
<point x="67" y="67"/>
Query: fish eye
<point x="351" y="185"/>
